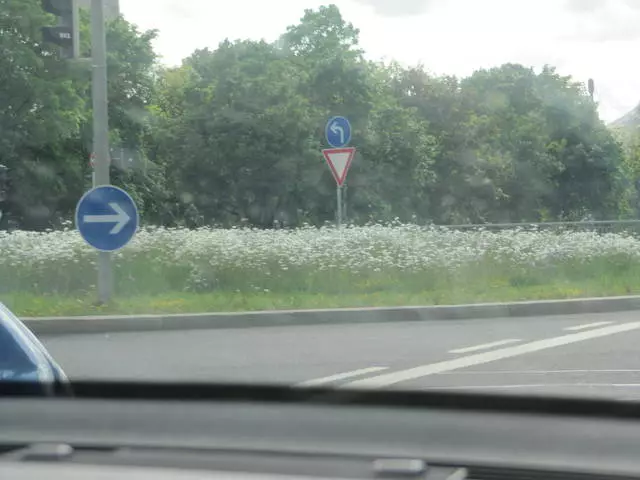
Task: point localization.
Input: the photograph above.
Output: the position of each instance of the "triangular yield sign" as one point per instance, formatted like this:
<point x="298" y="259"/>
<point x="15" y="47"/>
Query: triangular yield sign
<point x="339" y="161"/>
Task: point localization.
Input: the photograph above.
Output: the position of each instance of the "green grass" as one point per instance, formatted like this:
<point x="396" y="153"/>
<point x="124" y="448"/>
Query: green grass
<point x="499" y="290"/>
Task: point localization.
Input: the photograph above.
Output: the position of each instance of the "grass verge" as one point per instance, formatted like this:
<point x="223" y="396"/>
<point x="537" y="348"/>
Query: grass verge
<point x="32" y="305"/>
<point x="182" y="271"/>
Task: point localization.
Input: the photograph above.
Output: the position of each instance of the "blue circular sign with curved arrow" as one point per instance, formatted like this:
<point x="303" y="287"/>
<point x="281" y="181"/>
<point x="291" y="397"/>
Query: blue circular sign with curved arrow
<point x="338" y="132"/>
<point x="107" y="218"/>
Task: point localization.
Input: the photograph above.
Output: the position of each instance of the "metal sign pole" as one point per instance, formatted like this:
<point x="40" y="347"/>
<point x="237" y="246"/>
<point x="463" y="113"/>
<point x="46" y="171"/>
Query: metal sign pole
<point x="339" y="199"/>
<point x="345" y="201"/>
<point x="337" y="131"/>
<point x="100" y="130"/>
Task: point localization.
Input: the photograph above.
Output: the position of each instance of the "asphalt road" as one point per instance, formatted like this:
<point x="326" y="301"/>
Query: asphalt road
<point x="587" y="355"/>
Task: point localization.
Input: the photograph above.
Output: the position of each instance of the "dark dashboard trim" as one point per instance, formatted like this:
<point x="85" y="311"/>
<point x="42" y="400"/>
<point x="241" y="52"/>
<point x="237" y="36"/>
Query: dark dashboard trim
<point x="242" y="393"/>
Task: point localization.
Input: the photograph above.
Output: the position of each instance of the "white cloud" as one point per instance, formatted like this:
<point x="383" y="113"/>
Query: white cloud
<point x="614" y="20"/>
<point x="585" y="5"/>
<point x="584" y="38"/>
<point x="395" y="8"/>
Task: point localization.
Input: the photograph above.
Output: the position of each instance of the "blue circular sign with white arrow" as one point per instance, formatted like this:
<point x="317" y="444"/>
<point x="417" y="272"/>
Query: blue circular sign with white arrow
<point x="338" y="132"/>
<point x="107" y="218"/>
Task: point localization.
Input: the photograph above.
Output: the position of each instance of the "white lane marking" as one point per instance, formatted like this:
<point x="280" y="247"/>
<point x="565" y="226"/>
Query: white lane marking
<point x="538" y="372"/>
<point x="486" y="346"/>
<point x="586" y="326"/>
<point x="340" y="376"/>
<point x="387" y="379"/>
<point x="459" y="474"/>
<point x="532" y="385"/>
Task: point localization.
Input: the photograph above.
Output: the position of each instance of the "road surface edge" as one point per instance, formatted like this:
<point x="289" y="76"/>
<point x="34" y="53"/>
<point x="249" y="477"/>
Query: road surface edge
<point x="141" y="323"/>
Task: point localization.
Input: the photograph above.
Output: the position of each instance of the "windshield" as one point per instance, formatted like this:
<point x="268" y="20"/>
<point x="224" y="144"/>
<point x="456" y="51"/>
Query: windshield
<point x="415" y="194"/>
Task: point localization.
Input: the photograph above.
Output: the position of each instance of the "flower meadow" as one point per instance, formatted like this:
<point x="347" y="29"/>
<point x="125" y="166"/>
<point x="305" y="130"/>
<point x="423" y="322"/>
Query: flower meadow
<point x="311" y="260"/>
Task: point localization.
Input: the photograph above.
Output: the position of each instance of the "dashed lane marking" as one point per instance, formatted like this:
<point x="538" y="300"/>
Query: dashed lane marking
<point x="388" y="379"/>
<point x="486" y="346"/>
<point x="340" y="376"/>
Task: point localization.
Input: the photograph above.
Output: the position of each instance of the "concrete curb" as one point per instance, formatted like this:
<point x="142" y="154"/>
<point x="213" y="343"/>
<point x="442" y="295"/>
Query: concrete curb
<point x="142" y="323"/>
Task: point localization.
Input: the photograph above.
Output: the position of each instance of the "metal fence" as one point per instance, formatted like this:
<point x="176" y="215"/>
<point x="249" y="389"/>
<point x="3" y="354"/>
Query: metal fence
<point x="600" y="226"/>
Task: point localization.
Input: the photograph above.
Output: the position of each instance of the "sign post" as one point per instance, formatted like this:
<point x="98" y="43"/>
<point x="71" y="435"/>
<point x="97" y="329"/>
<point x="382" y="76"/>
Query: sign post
<point x="339" y="209"/>
<point x="106" y="216"/>
<point x="100" y="130"/>
<point x="339" y="158"/>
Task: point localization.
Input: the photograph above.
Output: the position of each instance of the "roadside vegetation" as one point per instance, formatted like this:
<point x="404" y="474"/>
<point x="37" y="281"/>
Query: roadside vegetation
<point x="190" y="270"/>
<point x="222" y="155"/>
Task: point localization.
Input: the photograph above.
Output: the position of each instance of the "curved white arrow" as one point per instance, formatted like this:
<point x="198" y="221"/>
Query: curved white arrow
<point x="120" y="218"/>
<point x="335" y="128"/>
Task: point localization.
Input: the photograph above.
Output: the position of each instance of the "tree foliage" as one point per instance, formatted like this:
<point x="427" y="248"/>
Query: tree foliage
<point x="233" y="135"/>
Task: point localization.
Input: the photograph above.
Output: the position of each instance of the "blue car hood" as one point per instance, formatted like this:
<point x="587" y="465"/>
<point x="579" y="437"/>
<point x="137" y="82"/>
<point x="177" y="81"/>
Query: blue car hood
<point x="22" y="355"/>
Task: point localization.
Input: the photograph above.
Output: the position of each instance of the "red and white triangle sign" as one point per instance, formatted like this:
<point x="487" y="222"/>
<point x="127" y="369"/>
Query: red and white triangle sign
<point x="339" y="161"/>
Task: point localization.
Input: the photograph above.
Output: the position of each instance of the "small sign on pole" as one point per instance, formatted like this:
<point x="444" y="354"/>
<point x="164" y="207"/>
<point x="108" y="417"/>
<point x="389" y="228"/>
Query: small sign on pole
<point x="107" y="218"/>
<point x="339" y="161"/>
<point x="338" y="135"/>
<point x="338" y="132"/>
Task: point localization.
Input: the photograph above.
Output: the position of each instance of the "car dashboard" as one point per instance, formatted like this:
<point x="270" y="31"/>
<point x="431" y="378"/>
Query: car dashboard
<point x="269" y="433"/>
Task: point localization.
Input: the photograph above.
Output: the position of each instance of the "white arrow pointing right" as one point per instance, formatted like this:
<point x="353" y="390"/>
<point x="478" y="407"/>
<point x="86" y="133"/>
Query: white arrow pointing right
<point x="121" y="218"/>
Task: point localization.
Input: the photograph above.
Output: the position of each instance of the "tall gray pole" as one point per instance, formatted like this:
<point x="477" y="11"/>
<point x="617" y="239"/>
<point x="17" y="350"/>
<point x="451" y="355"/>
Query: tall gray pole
<point x="100" y="130"/>
<point x="76" y="29"/>
<point x="345" y="195"/>
<point x="339" y="199"/>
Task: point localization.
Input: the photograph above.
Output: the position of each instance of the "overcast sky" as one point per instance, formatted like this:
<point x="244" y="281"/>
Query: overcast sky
<point x="583" y="38"/>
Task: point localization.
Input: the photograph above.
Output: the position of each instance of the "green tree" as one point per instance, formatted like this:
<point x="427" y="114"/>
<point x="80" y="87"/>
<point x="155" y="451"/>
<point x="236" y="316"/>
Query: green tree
<point x="245" y="147"/>
<point x="41" y="115"/>
<point x="327" y="48"/>
<point x="234" y="134"/>
<point x="132" y="78"/>
<point x="556" y="158"/>
<point x="393" y="175"/>
<point x="465" y="187"/>
<point x="45" y="124"/>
